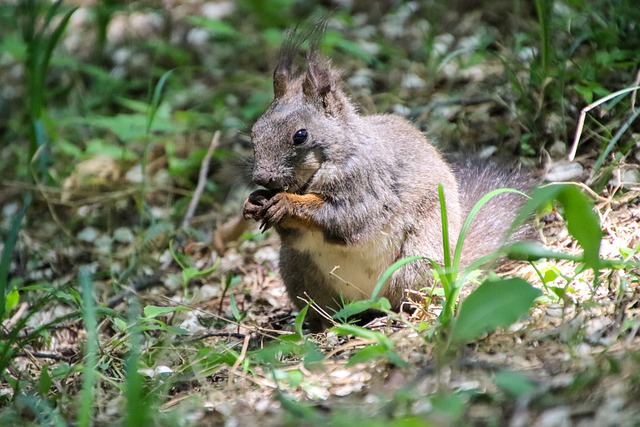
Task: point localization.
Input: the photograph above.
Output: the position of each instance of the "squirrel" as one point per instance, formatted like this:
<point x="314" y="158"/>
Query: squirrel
<point x="349" y="194"/>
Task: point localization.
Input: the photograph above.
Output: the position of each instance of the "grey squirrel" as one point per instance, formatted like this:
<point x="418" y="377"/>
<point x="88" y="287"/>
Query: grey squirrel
<point x="350" y="194"/>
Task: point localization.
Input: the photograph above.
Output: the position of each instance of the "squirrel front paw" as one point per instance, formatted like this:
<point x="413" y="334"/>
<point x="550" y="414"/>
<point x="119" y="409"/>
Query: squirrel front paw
<point x="274" y="210"/>
<point x="284" y="209"/>
<point x="255" y="203"/>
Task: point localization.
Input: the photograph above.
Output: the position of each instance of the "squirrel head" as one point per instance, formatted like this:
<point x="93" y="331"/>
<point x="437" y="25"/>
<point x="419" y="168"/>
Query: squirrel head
<point x="306" y="124"/>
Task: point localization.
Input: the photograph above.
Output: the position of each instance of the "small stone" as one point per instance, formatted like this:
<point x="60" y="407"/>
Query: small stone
<point x="564" y="171"/>
<point x="88" y="234"/>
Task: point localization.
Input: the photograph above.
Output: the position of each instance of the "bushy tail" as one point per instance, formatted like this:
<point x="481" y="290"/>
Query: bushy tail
<point x="488" y="230"/>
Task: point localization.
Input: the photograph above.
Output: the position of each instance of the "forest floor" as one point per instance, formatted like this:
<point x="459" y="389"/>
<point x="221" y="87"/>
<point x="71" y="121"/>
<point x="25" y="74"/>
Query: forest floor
<point x="194" y="301"/>
<point x="571" y="362"/>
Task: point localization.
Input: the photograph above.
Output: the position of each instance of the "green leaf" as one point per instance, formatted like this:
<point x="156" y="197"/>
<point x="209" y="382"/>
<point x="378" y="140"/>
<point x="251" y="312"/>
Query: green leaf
<point x="217" y="28"/>
<point x="494" y="304"/>
<point x="533" y="251"/>
<point x="156" y="99"/>
<point x="193" y="272"/>
<point x="300" y="319"/>
<point x="452" y="406"/>
<point x="188" y="274"/>
<point x="298" y="410"/>
<point x="120" y="324"/>
<point x="558" y="291"/>
<point x="207" y="361"/>
<point x="7" y="253"/>
<point x="153" y="311"/>
<point x="11" y="301"/>
<point x="471" y="216"/>
<point x="129" y="127"/>
<point x="88" y="392"/>
<point x="514" y="383"/>
<point x="358" y="331"/>
<point x="582" y="223"/>
<point x="396" y="359"/>
<point x="627" y="252"/>
<point x="389" y="272"/>
<point x="355" y="307"/>
<point x="313" y="357"/>
<point x="237" y="315"/>
<point x="45" y="382"/>
<point x="370" y="352"/>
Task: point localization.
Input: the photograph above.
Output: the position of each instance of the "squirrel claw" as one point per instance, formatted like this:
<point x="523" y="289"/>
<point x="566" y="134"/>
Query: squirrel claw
<point x="255" y="204"/>
<point x="264" y="226"/>
<point x="273" y="211"/>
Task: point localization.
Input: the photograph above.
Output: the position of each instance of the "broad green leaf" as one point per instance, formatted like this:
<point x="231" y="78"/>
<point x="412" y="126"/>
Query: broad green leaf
<point x="494" y="304"/>
<point x="153" y="311"/>
<point x="11" y="301"/>
<point x="313" y="357"/>
<point x="45" y="382"/>
<point x="514" y="383"/>
<point x="451" y="405"/>
<point x="582" y="223"/>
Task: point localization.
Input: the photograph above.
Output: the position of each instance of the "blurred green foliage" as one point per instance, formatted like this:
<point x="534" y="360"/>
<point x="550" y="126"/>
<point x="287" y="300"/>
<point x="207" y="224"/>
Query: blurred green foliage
<point x="556" y="57"/>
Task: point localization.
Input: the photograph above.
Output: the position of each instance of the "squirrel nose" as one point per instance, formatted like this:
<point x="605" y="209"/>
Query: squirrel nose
<point x="265" y="180"/>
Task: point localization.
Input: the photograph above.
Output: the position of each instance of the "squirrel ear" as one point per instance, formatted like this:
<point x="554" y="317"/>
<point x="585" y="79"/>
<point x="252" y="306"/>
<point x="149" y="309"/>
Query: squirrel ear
<point x="281" y="78"/>
<point x="320" y="85"/>
<point x="318" y="81"/>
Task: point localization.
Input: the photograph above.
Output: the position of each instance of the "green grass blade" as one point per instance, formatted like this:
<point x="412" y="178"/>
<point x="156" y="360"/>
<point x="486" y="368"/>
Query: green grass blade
<point x="156" y="99"/>
<point x="543" y="9"/>
<point x="445" y="227"/>
<point x="389" y="272"/>
<point x="45" y="414"/>
<point x="53" y="40"/>
<point x="87" y="396"/>
<point x="7" y="252"/>
<point x="605" y="153"/>
<point x="137" y="410"/>
<point x="472" y="214"/>
<point x="51" y="12"/>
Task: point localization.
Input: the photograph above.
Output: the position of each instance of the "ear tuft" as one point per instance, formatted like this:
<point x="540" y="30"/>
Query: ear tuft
<point x="319" y="79"/>
<point x="285" y="73"/>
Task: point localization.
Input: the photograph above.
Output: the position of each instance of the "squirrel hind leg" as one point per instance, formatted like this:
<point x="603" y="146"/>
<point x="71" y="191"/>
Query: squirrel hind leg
<point x="304" y="281"/>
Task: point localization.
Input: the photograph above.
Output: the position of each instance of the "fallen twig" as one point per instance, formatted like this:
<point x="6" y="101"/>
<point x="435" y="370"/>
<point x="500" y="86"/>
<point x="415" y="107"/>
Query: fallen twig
<point x="202" y="179"/>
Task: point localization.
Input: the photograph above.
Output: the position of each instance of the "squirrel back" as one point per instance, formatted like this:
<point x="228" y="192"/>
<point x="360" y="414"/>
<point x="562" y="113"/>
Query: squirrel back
<point x="488" y="230"/>
<point x="350" y="194"/>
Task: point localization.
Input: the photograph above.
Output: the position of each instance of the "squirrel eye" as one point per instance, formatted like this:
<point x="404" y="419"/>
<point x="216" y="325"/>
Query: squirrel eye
<point x="300" y="137"/>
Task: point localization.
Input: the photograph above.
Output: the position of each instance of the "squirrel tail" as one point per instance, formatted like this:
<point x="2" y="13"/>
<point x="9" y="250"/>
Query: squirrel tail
<point x="488" y="229"/>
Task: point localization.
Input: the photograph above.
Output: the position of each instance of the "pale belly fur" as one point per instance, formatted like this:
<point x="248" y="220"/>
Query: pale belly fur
<point x="352" y="270"/>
